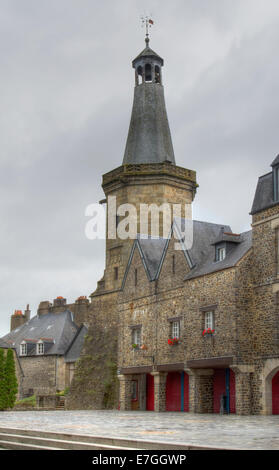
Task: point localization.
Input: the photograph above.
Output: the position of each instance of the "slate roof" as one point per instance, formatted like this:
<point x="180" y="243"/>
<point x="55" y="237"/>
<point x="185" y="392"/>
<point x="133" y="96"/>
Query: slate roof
<point x="59" y="328"/>
<point x="74" y="350"/>
<point x="148" y="52"/>
<point x="276" y="161"/>
<point x="152" y="250"/>
<point x="201" y="255"/>
<point x="264" y="194"/>
<point x="203" y="251"/>
<point x="5" y="345"/>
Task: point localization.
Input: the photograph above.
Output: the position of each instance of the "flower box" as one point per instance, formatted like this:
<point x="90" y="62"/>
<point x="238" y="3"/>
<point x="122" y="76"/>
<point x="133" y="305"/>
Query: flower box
<point x="173" y="341"/>
<point x="208" y="332"/>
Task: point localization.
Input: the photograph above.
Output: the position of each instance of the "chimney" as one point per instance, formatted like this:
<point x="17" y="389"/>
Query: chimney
<point x="17" y="319"/>
<point x="27" y="313"/>
<point x="44" y="307"/>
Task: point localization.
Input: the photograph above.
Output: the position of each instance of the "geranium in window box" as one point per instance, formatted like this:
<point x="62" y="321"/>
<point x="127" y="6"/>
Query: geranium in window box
<point x="135" y="346"/>
<point x="143" y="347"/>
<point x="173" y="341"/>
<point x="208" y="332"/>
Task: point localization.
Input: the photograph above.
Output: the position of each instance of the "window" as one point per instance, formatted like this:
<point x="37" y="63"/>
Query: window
<point x="136" y="336"/>
<point x="134" y="390"/>
<point x="40" y="348"/>
<point x="220" y="253"/>
<point x="136" y="277"/>
<point x="23" y="349"/>
<point x="208" y="320"/>
<point x="115" y="273"/>
<point x="175" y="329"/>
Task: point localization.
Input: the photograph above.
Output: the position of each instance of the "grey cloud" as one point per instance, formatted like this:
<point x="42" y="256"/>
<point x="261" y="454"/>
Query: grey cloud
<point x="67" y="88"/>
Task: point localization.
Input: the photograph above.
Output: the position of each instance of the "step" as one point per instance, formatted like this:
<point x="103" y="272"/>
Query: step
<point x="53" y="443"/>
<point x="109" y="441"/>
<point x="8" y="445"/>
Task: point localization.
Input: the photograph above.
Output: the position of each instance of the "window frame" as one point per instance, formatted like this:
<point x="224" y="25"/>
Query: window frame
<point x="137" y="335"/>
<point x="210" y="324"/>
<point x="23" y="344"/>
<point x="177" y="324"/>
<point x="40" y="348"/>
<point x="219" y="250"/>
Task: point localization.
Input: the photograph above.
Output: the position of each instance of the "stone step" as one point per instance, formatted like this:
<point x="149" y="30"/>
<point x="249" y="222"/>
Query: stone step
<point x="44" y="442"/>
<point x="104" y="441"/>
<point x="8" y="445"/>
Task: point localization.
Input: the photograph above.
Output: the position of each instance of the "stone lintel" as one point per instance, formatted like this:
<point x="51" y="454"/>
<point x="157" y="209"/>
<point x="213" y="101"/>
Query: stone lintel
<point x="243" y="368"/>
<point x="211" y="362"/>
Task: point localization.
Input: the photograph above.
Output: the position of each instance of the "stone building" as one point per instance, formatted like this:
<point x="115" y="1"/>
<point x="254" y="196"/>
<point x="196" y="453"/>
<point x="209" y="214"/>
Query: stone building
<point x="174" y="325"/>
<point x="46" y="346"/>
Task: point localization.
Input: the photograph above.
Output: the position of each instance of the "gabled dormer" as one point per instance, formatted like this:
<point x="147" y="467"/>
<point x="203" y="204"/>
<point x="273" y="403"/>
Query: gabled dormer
<point x="225" y="243"/>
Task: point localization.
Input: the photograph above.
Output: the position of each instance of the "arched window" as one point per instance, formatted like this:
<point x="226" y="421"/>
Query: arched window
<point x="148" y="73"/>
<point x="157" y="74"/>
<point x="139" y="72"/>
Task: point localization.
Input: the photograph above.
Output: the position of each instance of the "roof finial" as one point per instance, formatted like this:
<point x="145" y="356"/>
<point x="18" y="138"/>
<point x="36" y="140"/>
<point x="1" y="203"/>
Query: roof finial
<point x="147" y="22"/>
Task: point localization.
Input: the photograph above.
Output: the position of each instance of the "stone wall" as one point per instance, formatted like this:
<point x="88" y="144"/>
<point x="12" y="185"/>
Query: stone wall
<point x="95" y="384"/>
<point x="40" y="375"/>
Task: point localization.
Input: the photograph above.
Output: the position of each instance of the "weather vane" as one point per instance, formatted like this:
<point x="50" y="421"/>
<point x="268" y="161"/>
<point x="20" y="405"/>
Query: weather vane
<point x="147" y="22"/>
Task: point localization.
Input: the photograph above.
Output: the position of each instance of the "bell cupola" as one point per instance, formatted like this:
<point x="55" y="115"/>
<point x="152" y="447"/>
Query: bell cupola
<point x="149" y="137"/>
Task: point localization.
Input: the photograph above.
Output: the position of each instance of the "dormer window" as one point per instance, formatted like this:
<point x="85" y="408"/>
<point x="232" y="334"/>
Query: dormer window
<point x="220" y="253"/>
<point x="23" y="349"/>
<point x="40" y="347"/>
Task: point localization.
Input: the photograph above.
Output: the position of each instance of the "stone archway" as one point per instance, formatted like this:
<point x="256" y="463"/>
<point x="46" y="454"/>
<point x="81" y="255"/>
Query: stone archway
<point x="271" y="368"/>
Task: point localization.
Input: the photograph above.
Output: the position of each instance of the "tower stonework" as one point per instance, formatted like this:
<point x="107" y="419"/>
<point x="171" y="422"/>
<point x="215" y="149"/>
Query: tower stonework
<point x="149" y="174"/>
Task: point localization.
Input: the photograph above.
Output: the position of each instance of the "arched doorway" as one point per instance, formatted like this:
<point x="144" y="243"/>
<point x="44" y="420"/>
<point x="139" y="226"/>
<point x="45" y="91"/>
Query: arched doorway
<point x="275" y="394"/>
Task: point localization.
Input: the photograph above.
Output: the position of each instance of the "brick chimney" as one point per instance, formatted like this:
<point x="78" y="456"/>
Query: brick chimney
<point x="18" y="318"/>
<point x="44" y="307"/>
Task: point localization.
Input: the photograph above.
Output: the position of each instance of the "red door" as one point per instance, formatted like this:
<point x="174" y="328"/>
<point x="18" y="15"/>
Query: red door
<point x="219" y="388"/>
<point x="232" y="391"/>
<point x="149" y="392"/>
<point x="173" y="391"/>
<point x="275" y="394"/>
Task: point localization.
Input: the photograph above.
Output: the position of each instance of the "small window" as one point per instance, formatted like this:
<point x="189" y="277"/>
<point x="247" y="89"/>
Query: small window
<point x="23" y="349"/>
<point x="175" y="329"/>
<point x="221" y="254"/>
<point x="136" y="277"/>
<point x="208" y="320"/>
<point x="136" y="336"/>
<point x="40" y="348"/>
<point x="134" y="390"/>
<point x="115" y="273"/>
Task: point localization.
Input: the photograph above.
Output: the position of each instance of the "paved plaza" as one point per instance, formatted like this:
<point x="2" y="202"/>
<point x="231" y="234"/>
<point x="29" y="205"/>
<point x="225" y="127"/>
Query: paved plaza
<point x="242" y="432"/>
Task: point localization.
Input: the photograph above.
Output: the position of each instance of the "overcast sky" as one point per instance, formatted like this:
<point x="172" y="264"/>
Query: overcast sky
<point x="66" y="97"/>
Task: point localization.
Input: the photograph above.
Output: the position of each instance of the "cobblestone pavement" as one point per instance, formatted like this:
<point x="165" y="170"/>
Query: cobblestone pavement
<point x="252" y="432"/>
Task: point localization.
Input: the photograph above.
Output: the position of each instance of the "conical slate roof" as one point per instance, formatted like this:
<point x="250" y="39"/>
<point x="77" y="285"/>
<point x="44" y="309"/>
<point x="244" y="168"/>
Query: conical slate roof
<point x="147" y="52"/>
<point x="149" y="137"/>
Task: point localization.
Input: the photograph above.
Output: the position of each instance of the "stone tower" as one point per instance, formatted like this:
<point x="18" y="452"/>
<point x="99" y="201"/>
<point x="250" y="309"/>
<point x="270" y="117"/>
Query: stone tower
<point x="148" y="174"/>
